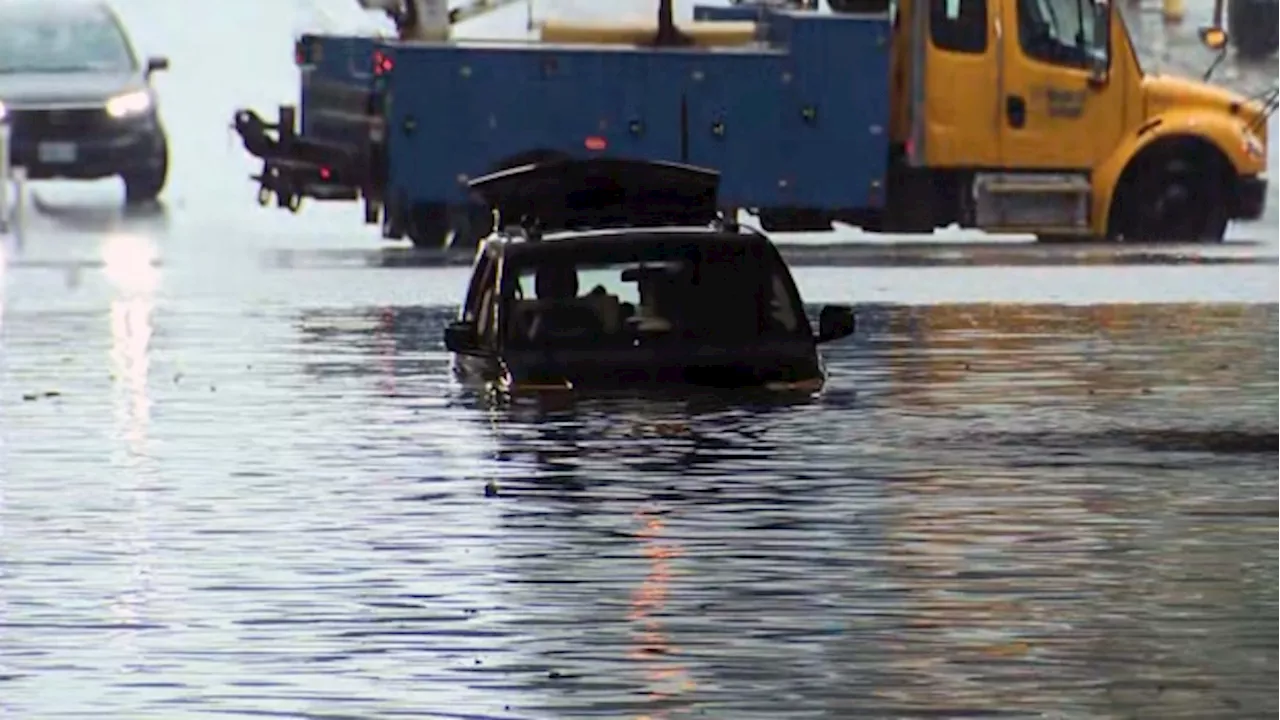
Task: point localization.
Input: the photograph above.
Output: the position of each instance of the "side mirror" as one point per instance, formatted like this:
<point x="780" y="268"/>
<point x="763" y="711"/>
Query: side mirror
<point x="835" y="322"/>
<point x="156" y="64"/>
<point x="1098" y="77"/>
<point x="460" y="337"/>
<point x="1213" y="37"/>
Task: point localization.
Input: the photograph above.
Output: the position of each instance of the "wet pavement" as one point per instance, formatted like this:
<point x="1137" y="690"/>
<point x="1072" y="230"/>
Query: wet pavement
<point x="235" y="479"/>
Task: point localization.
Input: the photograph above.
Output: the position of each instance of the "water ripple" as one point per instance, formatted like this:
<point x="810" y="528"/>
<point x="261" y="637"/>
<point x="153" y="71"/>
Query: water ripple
<point x="995" y="511"/>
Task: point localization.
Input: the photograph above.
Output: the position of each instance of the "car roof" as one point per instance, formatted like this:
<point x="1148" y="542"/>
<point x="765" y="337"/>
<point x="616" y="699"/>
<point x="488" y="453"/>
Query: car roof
<point x="16" y="10"/>
<point x="594" y="242"/>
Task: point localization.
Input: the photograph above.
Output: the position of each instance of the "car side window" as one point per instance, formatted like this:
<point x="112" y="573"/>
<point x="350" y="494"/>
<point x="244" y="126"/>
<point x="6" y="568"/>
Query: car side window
<point x="959" y="25"/>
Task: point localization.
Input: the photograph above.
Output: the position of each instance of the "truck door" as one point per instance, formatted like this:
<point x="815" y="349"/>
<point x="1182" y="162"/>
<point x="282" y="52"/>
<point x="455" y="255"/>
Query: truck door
<point x="1059" y="109"/>
<point x="959" y="100"/>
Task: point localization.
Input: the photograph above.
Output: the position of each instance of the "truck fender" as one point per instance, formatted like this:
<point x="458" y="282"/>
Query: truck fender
<point x="1225" y="133"/>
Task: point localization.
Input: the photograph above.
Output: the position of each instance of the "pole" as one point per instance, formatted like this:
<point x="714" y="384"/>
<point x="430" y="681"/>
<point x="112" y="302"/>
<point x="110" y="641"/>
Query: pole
<point x="19" y="205"/>
<point x="432" y="20"/>
<point x="4" y="177"/>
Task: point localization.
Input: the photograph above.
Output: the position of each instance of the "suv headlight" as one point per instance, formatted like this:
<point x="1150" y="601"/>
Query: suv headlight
<point x="131" y="103"/>
<point x="3" y="112"/>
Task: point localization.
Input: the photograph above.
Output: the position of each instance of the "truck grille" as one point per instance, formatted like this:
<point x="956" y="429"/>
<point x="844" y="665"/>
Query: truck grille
<point x="58" y="124"/>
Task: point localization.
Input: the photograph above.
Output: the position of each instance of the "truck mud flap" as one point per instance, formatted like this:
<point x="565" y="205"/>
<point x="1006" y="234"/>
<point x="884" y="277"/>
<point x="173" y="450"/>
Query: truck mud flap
<point x="295" y="167"/>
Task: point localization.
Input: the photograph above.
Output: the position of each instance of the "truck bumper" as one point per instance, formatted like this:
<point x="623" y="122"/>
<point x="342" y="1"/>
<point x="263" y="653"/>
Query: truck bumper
<point x="91" y="145"/>
<point x="1249" y="197"/>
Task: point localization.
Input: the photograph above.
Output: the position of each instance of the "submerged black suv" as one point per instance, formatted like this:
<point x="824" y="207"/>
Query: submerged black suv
<point x="78" y="102"/>
<point x="617" y="273"/>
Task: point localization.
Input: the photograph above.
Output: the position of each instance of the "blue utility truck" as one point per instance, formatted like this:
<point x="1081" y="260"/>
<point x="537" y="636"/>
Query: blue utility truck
<point x="903" y="119"/>
<point x="796" y="121"/>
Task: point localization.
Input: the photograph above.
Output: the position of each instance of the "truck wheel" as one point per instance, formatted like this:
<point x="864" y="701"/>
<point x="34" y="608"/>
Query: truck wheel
<point x="471" y="224"/>
<point x="1171" y="194"/>
<point x="1253" y="26"/>
<point x="427" y="225"/>
<point x="145" y="184"/>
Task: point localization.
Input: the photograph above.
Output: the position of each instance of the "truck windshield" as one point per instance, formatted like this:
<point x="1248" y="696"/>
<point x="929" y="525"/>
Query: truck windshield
<point x="44" y="43"/>
<point x="1068" y="32"/>
<point x="707" y="292"/>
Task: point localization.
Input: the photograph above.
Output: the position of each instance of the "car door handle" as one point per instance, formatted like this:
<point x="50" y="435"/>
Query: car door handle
<point x="1015" y="110"/>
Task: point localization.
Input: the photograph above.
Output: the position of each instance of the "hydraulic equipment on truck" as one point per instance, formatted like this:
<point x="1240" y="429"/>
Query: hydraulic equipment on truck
<point x="1013" y="116"/>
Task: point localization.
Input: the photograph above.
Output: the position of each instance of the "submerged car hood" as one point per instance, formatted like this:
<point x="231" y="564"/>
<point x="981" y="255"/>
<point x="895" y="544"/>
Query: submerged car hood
<point x="729" y="366"/>
<point x="18" y="89"/>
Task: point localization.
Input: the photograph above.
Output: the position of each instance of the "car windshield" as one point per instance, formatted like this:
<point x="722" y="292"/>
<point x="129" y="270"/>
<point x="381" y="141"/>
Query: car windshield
<point x="46" y="43"/>
<point x="632" y="295"/>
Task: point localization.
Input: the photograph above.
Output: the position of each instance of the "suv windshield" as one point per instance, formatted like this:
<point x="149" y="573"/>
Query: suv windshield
<point x="46" y="43"/>
<point x="633" y="295"/>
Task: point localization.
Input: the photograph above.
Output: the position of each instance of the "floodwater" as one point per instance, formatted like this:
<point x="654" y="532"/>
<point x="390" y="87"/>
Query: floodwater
<point x="236" y="480"/>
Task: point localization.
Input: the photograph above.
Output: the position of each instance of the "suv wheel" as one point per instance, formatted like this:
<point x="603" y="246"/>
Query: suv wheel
<point x="144" y="184"/>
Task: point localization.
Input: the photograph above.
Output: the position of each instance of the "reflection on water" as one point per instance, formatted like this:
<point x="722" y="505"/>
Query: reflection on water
<point x="995" y="510"/>
<point x="128" y="265"/>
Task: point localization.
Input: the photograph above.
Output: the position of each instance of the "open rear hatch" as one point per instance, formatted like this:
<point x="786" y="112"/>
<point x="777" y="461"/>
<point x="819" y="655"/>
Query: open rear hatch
<point x="600" y="192"/>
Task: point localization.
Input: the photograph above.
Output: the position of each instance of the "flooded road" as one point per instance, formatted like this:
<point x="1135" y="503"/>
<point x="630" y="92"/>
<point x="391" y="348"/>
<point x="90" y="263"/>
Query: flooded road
<point x="236" y="481"/>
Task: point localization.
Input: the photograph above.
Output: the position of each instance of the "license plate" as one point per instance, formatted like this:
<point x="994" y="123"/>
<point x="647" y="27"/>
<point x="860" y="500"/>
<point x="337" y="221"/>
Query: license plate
<point x="57" y="152"/>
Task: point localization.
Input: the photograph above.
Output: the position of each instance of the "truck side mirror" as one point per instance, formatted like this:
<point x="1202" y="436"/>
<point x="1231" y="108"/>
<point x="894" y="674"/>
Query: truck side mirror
<point x="835" y="322"/>
<point x="1213" y="37"/>
<point x="1099" y="75"/>
<point x="460" y="337"/>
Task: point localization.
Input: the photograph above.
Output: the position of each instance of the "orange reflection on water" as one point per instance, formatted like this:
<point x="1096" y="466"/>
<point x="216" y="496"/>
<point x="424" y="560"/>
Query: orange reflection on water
<point x="975" y="353"/>
<point x="651" y="647"/>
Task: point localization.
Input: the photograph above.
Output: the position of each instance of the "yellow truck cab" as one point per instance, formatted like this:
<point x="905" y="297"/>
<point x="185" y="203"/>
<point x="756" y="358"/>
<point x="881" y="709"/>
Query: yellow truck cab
<point x="1036" y="116"/>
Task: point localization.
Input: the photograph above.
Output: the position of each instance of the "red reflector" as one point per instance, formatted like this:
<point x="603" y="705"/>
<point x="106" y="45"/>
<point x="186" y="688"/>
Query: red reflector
<point x="595" y="142"/>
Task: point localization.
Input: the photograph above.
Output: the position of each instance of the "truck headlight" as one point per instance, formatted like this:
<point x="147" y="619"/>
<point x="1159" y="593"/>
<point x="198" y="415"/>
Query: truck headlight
<point x="3" y="112"/>
<point x="128" y="104"/>
<point x="1253" y="145"/>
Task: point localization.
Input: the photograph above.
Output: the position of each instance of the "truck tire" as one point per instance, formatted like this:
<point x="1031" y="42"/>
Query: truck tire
<point x="1173" y="192"/>
<point x="471" y="224"/>
<point x="427" y="225"/>
<point x="1253" y="27"/>
<point x="143" y="185"/>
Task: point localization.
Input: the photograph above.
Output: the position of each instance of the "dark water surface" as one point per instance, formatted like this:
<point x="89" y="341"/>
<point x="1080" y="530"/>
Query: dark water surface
<point x="235" y="480"/>
<point x="269" y="504"/>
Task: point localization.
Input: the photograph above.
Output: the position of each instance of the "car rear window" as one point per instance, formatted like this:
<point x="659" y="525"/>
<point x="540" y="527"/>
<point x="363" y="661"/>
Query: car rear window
<point x="45" y="43"/>
<point x="717" y="291"/>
